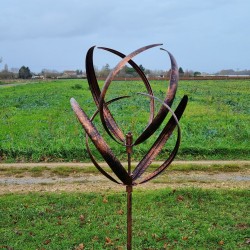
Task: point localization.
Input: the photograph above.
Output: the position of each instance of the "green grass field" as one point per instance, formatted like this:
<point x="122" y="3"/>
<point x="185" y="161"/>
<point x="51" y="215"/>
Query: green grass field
<point x="37" y="123"/>
<point x="163" y="219"/>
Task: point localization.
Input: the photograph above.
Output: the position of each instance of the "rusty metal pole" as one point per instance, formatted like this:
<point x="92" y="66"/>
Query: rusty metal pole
<point x="129" y="217"/>
<point x="129" y="190"/>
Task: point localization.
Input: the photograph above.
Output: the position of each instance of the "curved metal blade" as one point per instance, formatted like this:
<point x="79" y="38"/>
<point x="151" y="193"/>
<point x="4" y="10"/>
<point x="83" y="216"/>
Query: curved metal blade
<point x="164" y="165"/>
<point x="168" y="100"/>
<point x="91" y="77"/>
<point x="88" y="148"/>
<point x="96" y="92"/>
<point x="96" y="163"/>
<point x="161" y="140"/>
<point x="109" y="79"/>
<point x="141" y="74"/>
<point x="100" y="144"/>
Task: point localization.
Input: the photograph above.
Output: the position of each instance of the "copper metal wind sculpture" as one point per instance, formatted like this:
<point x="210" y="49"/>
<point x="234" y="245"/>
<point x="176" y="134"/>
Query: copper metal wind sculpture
<point x="126" y="175"/>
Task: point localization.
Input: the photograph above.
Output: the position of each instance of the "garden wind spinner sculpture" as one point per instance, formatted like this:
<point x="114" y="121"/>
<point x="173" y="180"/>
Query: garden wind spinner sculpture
<point x="127" y="176"/>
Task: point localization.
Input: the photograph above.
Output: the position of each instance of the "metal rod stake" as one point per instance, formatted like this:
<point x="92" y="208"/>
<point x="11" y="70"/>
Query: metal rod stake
<point x="129" y="189"/>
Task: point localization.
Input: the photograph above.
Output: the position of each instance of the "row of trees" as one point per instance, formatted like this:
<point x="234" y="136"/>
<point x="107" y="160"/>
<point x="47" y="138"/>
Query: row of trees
<point x="233" y="72"/>
<point x="127" y="72"/>
<point x="23" y="73"/>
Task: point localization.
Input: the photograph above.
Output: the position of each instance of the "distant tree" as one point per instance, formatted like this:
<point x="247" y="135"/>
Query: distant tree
<point x="107" y="67"/>
<point x="6" y="68"/>
<point x="24" y="73"/>
<point x="197" y="73"/>
<point x="1" y="59"/>
<point x="227" y="72"/>
<point x="142" y="68"/>
<point x="50" y="73"/>
<point x="105" y="70"/>
<point x="168" y="73"/>
<point x="147" y="72"/>
<point x="79" y="72"/>
<point x="242" y="72"/>
<point x="6" y="74"/>
<point x="181" y="71"/>
<point x="188" y="73"/>
<point x="130" y="71"/>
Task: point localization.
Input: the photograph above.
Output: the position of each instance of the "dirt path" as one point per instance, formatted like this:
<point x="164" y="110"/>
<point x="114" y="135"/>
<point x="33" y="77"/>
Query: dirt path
<point x="88" y="182"/>
<point x="82" y="164"/>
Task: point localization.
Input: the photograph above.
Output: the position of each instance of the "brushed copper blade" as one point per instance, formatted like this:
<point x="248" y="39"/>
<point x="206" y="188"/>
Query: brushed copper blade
<point x="174" y="78"/>
<point x="96" y="163"/>
<point x="109" y="79"/>
<point x="143" y="77"/>
<point x="95" y="90"/>
<point x="100" y="144"/>
<point x="168" y="100"/>
<point x="88" y="148"/>
<point x="171" y="157"/>
<point x="161" y="140"/>
<point x="165" y="164"/>
<point x="91" y="77"/>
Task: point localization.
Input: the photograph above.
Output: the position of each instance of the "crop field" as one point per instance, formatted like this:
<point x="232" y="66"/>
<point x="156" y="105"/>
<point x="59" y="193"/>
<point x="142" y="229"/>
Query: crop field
<point x="38" y="124"/>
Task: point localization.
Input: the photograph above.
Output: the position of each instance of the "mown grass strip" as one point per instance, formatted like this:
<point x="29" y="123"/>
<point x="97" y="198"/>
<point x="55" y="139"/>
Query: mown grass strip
<point x="163" y="219"/>
<point x="71" y="170"/>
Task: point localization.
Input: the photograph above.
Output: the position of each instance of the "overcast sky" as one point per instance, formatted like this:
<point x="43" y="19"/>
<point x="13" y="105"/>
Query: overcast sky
<point x="204" y="36"/>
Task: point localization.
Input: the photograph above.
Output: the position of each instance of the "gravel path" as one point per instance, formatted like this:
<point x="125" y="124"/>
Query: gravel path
<point x="86" y="182"/>
<point x="82" y="164"/>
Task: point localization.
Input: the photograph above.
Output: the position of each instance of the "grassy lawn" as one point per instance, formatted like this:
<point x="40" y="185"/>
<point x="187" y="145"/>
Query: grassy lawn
<point x="163" y="219"/>
<point x="37" y="123"/>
